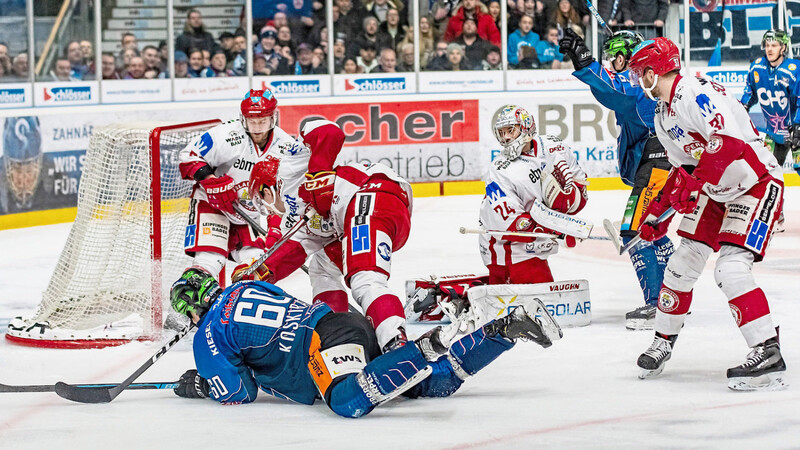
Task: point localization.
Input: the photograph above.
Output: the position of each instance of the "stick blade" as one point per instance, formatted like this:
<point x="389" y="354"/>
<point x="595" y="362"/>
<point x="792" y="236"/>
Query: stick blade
<point x="84" y="394"/>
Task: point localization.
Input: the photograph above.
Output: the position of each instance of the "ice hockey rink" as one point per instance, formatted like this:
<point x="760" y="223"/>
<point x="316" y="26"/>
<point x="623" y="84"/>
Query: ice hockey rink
<point x="583" y="392"/>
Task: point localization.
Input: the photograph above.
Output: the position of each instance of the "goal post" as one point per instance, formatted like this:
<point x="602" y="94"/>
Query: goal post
<point x="125" y="249"/>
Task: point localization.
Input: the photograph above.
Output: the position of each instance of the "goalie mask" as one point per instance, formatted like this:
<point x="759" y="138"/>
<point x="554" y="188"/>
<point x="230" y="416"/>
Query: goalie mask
<point x="264" y="186"/>
<point x="194" y="292"/>
<point x="513" y="128"/>
<point x="261" y="107"/>
<point x="22" y="158"/>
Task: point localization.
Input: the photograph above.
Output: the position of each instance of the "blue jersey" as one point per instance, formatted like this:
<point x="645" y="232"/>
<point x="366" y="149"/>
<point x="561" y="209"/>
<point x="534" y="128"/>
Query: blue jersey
<point x="776" y="90"/>
<point x="257" y="336"/>
<point x="632" y="108"/>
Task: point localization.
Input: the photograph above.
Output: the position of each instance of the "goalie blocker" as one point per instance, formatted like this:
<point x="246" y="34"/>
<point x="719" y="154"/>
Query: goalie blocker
<point x="567" y="301"/>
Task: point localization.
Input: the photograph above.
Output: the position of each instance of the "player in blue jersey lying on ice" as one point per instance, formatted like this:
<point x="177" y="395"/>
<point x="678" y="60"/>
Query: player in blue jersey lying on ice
<point x="253" y="336"/>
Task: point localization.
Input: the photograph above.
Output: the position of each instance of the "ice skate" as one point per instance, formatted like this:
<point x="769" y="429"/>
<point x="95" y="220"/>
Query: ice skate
<point x="653" y="359"/>
<point x="529" y="326"/>
<point x="641" y="318"/>
<point x="764" y="370"/>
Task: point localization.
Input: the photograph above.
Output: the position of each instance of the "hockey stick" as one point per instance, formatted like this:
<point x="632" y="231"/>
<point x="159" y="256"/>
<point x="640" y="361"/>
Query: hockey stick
<point x="464" y="230"/>
<point x="5" y="388"/>
<point x="289" y="233"/>
<point x="613" y="235"/>
<point x="635" y="240"/>
<point x="104" y="394"/>
<point x="599" y="19"/>
<point x="257" y="226"/>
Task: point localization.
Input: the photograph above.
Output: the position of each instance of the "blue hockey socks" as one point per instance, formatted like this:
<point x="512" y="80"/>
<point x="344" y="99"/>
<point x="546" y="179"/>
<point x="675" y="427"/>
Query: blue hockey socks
<point x="645" y="262"/>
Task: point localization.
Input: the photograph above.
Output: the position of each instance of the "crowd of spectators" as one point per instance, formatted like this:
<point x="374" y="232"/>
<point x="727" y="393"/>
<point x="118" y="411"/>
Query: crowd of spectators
<point x="290" y="37"/>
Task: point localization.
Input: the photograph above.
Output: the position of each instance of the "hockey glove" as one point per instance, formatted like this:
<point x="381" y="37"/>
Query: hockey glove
<point x="574" y="46"/>
<point x="686" y="192"/>
<point x="317" y="191"/>
<point x="262" y="273"/>
<point x="561" y="192"/>
<point x="648" y="229"/>
<point x="794" y="137"/>
<point x="220" y="193"/>
<point x="274" y="232"/>
<point x="192" y="385"/>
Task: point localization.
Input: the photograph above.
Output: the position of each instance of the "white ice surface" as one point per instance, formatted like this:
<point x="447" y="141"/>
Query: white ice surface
<point x="581" y="393"/>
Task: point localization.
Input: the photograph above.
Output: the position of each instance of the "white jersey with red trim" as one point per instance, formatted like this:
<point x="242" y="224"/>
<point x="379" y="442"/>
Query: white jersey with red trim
<point x="698" y="109"/>
<point x="351" y="178"/>
<point x="228" y="150"/>
<point x="511" y="188"/>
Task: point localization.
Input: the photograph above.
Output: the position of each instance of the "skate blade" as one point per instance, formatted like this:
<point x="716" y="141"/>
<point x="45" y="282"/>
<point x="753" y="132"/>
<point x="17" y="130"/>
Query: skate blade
<point x="639" y="324"/>
<point x="775" y="381"/>
<point x="647" y="373"/>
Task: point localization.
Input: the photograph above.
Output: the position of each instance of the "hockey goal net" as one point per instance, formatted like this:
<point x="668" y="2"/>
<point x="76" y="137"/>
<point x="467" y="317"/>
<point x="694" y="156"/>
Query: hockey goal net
<point x="125" y="249"/>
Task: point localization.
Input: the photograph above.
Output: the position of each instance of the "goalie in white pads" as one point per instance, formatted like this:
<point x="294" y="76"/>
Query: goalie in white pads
<point x="730" y="190"/>
<point x="532" y="169"/>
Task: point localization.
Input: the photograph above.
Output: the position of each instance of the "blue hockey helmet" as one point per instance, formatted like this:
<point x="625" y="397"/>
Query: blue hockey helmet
<point x="22" y="157"/>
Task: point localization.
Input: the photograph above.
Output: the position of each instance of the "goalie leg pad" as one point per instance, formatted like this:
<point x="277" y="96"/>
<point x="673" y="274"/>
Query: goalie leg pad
<point x="567" y="301"/>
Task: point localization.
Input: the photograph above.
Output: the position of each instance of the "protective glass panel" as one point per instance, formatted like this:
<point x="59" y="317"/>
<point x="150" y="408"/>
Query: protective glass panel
<point x="210" y="38"/>
<point x="64" y="42"/>
<point x="13" y="43"/>
<point x="292" y="38"/>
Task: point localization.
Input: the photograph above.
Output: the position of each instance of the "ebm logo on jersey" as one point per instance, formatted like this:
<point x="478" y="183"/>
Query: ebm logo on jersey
<point x="68" y="94"/>
<point x="12" y="96"/>
<point x="294" y="87"/>
<point x="375" y="84"/>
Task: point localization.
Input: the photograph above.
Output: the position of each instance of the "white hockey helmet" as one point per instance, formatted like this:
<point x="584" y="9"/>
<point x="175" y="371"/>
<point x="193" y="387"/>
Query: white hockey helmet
<point x="520" y="119"/>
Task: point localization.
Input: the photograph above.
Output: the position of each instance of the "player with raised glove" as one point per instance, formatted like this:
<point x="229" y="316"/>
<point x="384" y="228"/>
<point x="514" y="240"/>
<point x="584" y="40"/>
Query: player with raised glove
<point x="574" y="46"/>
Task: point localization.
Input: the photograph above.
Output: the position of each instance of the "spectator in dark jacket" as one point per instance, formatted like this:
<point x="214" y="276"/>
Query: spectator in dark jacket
<point x="370" y="34"/>
<point x="475" y="48"/>
<point x="392" y="27"/>
<point x="194" y="34"/>
<point x="478" y="11"/>
<point x="306" y="64"/>
<point x="644" y="12"/>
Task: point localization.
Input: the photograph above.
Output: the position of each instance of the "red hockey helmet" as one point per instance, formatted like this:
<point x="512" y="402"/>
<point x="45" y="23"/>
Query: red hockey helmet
<point x="259" y="103"/>
<point x="264" y="176"/>
<point x="661" y="55"/>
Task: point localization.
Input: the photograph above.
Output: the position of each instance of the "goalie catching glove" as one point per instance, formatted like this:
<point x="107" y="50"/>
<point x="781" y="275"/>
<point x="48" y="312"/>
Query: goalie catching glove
<point x="220" y="193"/>
<point x="192" y="385"/>
<point x="561" y="191"/>
<point x="317" y="191"/>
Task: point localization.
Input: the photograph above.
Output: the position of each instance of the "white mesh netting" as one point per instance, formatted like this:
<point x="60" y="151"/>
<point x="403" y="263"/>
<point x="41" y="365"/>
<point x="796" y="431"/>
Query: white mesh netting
<point x="106" y="284"/>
